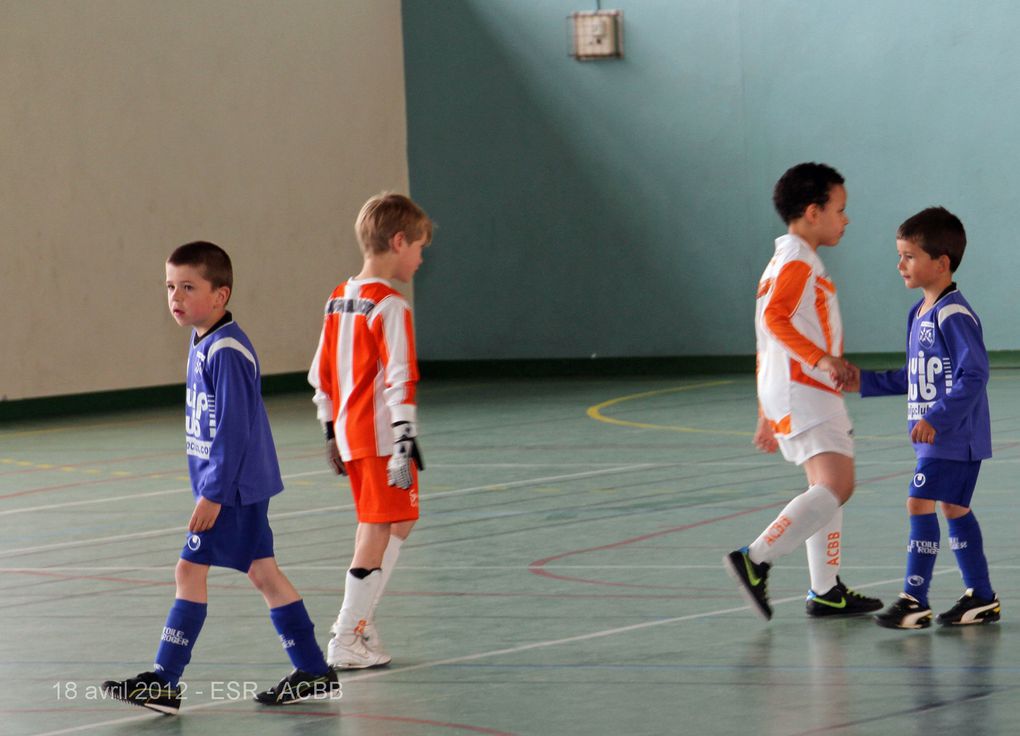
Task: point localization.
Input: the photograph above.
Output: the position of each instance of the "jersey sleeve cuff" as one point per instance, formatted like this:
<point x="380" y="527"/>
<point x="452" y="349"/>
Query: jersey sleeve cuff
<point x="404" y="413"/>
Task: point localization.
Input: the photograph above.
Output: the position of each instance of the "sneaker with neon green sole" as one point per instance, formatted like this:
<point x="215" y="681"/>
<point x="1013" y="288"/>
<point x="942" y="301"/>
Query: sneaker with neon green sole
<point x="840" y="601"/>
<point x="753" y="579"/>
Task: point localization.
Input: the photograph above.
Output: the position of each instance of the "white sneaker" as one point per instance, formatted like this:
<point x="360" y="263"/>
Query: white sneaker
<point x="370" y="635"/>
<point x="351" y="652"/>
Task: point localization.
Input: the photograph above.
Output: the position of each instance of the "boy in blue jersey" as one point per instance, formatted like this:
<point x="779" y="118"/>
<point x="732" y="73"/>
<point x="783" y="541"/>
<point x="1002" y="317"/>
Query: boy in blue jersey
<point x="234" y="472"/>
<point x="948" y="421"/>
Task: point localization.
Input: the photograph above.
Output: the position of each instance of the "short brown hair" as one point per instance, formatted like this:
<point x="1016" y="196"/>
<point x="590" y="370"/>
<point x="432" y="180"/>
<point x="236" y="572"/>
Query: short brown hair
<point x="211" y="258"/>
<point x="387" y="214"/>
<point x="938" y="232"/>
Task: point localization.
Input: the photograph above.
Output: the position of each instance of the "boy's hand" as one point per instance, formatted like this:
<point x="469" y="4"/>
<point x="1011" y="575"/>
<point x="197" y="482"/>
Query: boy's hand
<point x="853" y="382"/>
<point x="764" y="438"/>
<point x="923" y="432"/>
<point x="405" y="450"/>
<point x="204" y="515"/>
<point x="333" y="458"/>
<point x="837" y="368"/>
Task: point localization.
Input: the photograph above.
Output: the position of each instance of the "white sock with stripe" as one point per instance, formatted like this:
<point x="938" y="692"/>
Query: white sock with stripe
<point x="801" y="518"/>
<point x="824" y="549"/>
<point x="389" y="561"/>
<point x="359" y="594"/>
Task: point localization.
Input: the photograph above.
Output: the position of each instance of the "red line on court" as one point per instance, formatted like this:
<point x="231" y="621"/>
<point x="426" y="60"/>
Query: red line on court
<point x="289" y="712"/>
<point x="537" y="567"/>
<point x="81" y="484"/>
<point x="115" y="478"/>
<point x="372" y="717"/>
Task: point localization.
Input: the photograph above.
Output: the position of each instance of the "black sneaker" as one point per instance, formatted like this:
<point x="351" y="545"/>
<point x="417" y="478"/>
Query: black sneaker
<point x="969" y="610"/>
<point x="298" y="686"/>
<point x="906" y="612"/>
<point x="840" y="601"/>
<point x="753" y="579"/>
<point x="148" y="690"/>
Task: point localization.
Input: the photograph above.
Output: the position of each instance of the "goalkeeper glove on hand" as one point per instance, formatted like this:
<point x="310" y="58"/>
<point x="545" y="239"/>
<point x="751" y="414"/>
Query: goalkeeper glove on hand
<point x="405" y="450"/>
<point x="333" y="452"/>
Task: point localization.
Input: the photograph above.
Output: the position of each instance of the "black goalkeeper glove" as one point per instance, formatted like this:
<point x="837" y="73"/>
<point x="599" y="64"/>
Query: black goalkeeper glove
<point x="405" y="450"/>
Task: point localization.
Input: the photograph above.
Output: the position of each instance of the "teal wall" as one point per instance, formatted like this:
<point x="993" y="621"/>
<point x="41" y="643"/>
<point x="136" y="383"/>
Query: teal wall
<point x="622" y="208"/>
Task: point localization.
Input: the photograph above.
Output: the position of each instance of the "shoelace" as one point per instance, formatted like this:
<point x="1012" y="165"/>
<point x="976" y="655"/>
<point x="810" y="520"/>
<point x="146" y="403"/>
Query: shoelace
<point x="851" y="593"/>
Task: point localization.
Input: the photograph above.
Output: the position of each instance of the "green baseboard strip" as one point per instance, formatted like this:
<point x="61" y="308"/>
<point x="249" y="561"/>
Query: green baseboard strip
<point x="148" y="397"/>
<point x="102" y="402"/>
<point x="584" y="367"/>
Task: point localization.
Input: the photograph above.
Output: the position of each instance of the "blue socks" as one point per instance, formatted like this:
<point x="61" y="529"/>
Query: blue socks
<point x="297" y="632"/>
<point x="965" y="539"/>
<point x="922" y="549"/>
<point x="183" y="624"/>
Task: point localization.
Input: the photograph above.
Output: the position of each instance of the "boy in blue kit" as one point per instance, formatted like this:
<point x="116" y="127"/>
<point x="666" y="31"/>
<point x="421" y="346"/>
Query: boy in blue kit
<point x="948" y="421"/>
<point x="234" y="472"/>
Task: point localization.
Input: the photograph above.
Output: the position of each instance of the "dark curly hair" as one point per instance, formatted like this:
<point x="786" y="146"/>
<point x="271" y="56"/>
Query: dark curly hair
<point x="802" y="186"/>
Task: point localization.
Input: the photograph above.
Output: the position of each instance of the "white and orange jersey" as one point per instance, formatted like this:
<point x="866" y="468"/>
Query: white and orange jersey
<point x="365" y="370"/>
<point x="796" y="323"/>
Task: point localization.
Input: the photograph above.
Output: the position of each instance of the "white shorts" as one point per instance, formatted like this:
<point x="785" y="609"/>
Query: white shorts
<point x="835" y="434"/>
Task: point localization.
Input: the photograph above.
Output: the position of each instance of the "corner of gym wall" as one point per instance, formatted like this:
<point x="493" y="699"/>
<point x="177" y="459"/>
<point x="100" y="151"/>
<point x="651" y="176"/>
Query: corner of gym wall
<point x="131" y="126"/>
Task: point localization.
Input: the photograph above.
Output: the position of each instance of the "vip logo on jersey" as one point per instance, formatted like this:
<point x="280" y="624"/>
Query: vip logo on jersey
<point x="194" y="542"/>
<point x="919" y="480"/>
<point x="198" y="402"/>
<point x="926" y="334"/>
<point x="924" y="373"/>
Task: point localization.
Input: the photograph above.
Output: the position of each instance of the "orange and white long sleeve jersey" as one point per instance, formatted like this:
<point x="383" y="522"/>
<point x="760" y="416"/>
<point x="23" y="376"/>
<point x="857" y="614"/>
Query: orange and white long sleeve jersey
<point x="797" y="322"/>
<point x="365" y="370"/>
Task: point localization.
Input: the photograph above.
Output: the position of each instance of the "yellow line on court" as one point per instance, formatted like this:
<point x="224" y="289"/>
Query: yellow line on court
<point x="72" y="427"/>
<point x="595" y="412"/>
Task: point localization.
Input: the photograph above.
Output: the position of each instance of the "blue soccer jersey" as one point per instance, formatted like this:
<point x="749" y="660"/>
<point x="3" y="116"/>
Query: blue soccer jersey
<point x="944" y="379"/>
<point x="231" y="455"/>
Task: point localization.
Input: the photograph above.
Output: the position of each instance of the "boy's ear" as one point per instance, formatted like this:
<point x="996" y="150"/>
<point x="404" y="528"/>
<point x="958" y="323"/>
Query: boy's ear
<point x="811" y="212"/>
<point x="398" y="240"/>
<point x="224" y="291"/>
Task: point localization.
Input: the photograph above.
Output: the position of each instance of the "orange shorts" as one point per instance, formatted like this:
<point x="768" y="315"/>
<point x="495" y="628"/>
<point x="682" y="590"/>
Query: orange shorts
<point x="376" y="501"/>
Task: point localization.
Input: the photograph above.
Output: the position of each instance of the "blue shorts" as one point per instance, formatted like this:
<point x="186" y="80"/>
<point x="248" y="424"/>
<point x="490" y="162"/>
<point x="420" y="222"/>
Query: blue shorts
<point x="240" y="535"/>
<point x="950" y="481"/>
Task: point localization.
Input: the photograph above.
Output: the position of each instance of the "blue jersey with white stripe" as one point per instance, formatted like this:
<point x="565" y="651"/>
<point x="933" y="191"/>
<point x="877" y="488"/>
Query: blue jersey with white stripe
<point x="944" y="379"/>
<point x="231" y="455"/>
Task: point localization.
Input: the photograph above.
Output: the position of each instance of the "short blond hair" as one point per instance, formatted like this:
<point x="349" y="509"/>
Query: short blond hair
<point x="387" y="214"/>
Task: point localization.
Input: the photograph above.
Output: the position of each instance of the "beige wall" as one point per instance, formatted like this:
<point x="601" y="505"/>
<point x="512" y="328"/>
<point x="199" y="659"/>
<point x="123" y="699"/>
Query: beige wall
<point x="129" y="127"/>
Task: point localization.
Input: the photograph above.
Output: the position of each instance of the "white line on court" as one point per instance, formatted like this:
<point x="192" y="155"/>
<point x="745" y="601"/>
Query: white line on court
<point x="701" y="463"/>
<point x="483" y="655"/>
<point x="344" y="507"/>
<point x="433" y="568"/>
<point x="131" y="497"/>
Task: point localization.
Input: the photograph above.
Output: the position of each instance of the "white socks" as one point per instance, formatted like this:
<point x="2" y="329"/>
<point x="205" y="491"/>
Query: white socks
<point x="801" y="518"/>
<point x="389" y="561"/>
<point x="823" y="553"/>
<point x="359" y="595"/>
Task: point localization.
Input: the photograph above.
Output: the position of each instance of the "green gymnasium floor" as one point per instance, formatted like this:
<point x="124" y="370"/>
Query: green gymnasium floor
<point x="565" y="577"/>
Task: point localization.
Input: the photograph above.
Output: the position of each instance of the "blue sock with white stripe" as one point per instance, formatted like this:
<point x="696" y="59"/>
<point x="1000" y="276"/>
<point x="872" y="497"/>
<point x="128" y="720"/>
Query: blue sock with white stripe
<point x="297" y="633"/>
<point x="183" y="624"/>
<point x="965" y="539"/>
<point x="922" y="550"/>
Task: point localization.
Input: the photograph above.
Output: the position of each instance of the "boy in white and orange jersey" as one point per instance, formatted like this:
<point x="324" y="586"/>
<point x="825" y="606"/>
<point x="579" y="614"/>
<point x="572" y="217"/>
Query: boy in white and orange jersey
<point x="801" y="412"/>
<point x="364" y="374"/>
